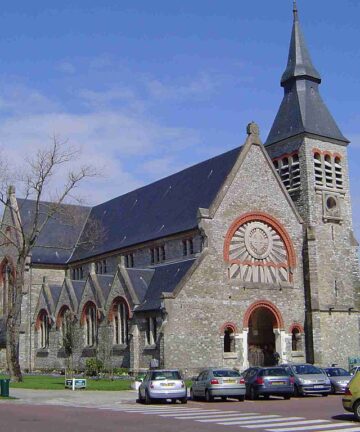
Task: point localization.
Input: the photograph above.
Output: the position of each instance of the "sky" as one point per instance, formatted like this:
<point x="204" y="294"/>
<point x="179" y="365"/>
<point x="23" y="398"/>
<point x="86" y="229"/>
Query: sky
<point x="146" y="88"/>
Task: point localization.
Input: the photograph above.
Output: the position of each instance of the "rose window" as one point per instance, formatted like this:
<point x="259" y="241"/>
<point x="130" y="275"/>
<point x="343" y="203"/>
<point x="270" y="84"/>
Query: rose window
<point x="256" y="252"/>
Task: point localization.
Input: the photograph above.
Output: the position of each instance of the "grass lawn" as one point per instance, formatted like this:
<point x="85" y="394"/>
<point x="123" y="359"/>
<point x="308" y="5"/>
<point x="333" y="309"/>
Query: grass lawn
<point x="46" y="382"/>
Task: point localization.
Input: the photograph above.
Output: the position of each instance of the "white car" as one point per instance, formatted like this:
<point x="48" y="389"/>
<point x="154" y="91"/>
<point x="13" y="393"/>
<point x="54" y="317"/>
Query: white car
<point x="354" y="370"/>
<point x="163" y="384"/>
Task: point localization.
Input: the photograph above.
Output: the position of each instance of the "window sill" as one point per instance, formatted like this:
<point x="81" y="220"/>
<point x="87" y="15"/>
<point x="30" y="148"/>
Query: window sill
<point x="297" y="353"/>
<point x="230" y="355"/>
<point x="149" y="347"/>
<point x="42" y="352"/>
<point x="119" y="349"/>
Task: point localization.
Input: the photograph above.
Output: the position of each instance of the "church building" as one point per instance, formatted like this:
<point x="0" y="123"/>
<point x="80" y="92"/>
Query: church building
<point x="246" y="254"/>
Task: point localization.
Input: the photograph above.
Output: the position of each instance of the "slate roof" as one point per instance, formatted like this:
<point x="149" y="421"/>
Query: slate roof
<point x="105" y="282"/>
<point x="58" y="238"/>
<point x="165" y="278"/>
<point x="55" y="292"/>
<point x="78" y="286"/>
<point x="2" y="333"/>
<point x="302" y="109"/>
<point x="165" y="207"/>
<point x="140" y="280"/>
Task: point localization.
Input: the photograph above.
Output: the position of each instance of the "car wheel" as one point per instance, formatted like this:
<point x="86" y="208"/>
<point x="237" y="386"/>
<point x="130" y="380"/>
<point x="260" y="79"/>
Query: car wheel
<point x="287" y="397"/>
<point x="333" y="391"/>
<point x="241" y="398"/>
<point x="208" y="396"/>
<point x="266" y="397"/>
<point x="357" y="410"/>
<point x="173" y="401"/>
<point x="325" y="394"/>
<point x="253" y="394"/>
<point x="140" y="399"/>
<point x="223" y="398"/>
<point x="192" y="396"/>
<point x="148" y="399"/>
<point x="296" y="391"/>
<point x="184" y="400"/>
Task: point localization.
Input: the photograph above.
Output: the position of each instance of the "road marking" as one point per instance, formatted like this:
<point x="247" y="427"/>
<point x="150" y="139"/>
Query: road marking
<point x="262" y="420"/>
<point x="353" y="429"/>
<point x="316" y="427"/>
<point x="257" y="417"/>
<point x="213" y="417"/>
<point x="202" y="413"/>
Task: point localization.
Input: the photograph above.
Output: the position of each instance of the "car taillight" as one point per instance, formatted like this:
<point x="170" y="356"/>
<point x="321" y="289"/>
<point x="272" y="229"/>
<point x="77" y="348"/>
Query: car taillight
<point x="348" y="392"/>
<point x="241" y="381"/>
<point x="214" y="381"/>
<point x="292" y="380"/>
<point x="151" y="384"/>
<point x="259" y="380"/>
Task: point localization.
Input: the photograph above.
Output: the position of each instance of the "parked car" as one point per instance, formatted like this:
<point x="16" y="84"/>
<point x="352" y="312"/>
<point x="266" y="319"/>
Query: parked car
<point x="163" y="384"/>
<point x="308" y="379"/>
<point x="339" y="379"/>
<point x="351" y="399"/>
<point x="267" y="381"/>
<point x="354" y="370"/>
<point x="218" y="382"/>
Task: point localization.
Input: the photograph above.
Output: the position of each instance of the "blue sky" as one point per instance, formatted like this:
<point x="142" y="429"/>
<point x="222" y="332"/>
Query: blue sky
<point x="147" y="88"/>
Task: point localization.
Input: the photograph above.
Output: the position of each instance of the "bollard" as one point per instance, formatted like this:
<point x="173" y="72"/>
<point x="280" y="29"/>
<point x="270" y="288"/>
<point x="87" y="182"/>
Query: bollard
<point x="4" y="386"/>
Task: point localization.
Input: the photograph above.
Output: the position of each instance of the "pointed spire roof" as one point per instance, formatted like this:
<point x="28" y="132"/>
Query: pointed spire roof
<point x="302" y="109"/>
<point x="299" y="61"/>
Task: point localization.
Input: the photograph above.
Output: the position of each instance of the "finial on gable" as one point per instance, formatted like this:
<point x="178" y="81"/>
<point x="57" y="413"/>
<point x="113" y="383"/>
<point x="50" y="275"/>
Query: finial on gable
<point x="11" y="190"/>
<point x="252" y="129"/>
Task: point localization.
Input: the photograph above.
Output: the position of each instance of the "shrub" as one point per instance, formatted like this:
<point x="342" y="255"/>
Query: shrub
<point x="93" y="367"/>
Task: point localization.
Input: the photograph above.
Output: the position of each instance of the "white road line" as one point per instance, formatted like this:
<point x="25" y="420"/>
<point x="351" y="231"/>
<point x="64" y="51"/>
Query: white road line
<point x="225" y="422"/>
<point x="202" y="413"/>
<point x="259" y="422"/>
<point x="316" y="427"/>
<point x="215" y="417"/>
<point x="164" y="411"/>
<point x="352" y="429"/>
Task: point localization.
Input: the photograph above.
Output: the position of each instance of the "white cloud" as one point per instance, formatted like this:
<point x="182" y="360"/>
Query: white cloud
<point x="200" y="88"/>
<point x="110" y="138"/>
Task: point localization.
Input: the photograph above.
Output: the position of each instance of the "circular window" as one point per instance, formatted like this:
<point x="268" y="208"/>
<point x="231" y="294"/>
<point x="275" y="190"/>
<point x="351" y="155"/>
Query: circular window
<point x="331" y="203"/>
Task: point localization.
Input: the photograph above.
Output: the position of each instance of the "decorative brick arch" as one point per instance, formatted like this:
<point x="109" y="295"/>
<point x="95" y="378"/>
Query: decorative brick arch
<point x="83" y="313"/>
<point x="60" y="315"/>
<point x="117" y="300"/>
<point x="268" y="219"/>
<point x="43" y="313"/>
<point x="266" y="305"/>
<point x="296" y="326"/>
<point x="7" y="261"/>
<point x="230" y="325"/>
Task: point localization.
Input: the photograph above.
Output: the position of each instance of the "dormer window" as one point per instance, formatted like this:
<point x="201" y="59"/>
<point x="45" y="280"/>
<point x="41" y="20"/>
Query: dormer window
<point x="77" y="273"/>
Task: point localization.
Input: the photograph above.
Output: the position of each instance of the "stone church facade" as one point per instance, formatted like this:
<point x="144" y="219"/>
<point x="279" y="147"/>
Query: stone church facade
<point x="247" y="253"/>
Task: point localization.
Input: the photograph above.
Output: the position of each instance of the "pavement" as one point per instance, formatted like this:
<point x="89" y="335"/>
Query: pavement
<point x="80" y="398"/>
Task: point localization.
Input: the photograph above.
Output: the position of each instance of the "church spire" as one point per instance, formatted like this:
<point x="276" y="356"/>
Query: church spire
<point x="302" y="109"/>
<point x="299" y="61"/>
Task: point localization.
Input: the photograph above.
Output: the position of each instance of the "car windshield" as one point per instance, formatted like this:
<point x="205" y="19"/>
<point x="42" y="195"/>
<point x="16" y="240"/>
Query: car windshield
<point x="225" y="373"/>
<point x="337" y="372"/>
<point x="306" y="370"/>
<point x="165" y="375"/>
<point x="274" y="372"/>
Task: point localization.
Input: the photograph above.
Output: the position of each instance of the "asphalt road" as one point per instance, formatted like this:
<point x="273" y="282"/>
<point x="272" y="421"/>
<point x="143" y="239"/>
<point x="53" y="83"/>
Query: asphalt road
<point x="274" y="415"/>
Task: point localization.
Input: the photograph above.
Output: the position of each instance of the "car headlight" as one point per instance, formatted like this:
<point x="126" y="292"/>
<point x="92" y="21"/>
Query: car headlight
<point x="304" y="381"/>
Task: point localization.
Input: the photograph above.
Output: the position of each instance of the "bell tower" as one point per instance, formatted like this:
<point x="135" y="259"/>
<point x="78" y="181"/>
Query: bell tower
<point x="310" y="155"/>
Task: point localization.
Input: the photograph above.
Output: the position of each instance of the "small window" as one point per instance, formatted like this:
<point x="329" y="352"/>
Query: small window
<point x="295" y="340"/>
<point x="229" y="340"/>
<point x="43" y="328"/>
<point x="120" y="323"/>
<point x="90" y="324"/>
<point x="129" y="260"/>
<point x="188" y="247"/>
<point x="157" y="254"/>
<point x="151" y="330"/>
<point x="101" y="267"/>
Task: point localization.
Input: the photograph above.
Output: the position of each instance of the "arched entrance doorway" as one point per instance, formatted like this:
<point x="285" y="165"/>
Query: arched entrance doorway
<point x="264" y="323"/>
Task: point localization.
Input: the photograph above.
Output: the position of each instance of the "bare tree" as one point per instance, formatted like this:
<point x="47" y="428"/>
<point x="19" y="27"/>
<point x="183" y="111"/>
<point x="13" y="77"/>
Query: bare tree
<point x="35" y="181"/>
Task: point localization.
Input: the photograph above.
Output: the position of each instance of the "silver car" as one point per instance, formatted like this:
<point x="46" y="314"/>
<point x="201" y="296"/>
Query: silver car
<point x="309" y="379"/>
<point x="218" y="382"/>
<point x="163" y="384"/>
<point x="339" y="379"/>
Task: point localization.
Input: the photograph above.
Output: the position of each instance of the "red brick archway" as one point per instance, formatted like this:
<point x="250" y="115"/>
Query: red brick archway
<point x="266" y="218"/>
<point x="296" y="326"/>
<point x="266" y="305"/>
<point x="229" y="325"/>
